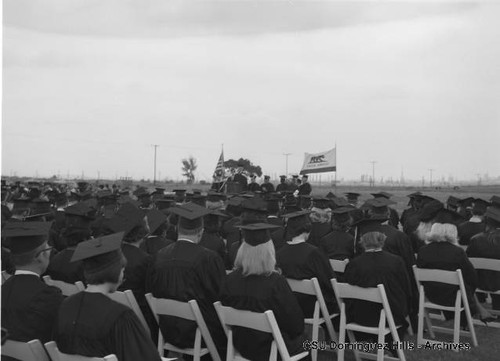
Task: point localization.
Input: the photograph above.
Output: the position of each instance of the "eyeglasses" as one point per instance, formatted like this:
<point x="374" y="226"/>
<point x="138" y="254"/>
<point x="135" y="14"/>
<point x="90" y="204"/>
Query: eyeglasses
<point x="44" y="250"/>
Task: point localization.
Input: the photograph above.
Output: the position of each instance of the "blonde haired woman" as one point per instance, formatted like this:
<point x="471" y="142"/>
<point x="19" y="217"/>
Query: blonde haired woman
<point x="256" y="285"/>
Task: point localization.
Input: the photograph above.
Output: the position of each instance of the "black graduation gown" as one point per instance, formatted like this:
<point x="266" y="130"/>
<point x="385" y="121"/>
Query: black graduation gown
<point x="486" y="245"/>
<point x="448" y="257"/>
<point x="318" y="230"/>
<point x="267" y="187"/>
<point x="305" y="189"/>
<point x="305" y="261"/>
<point x="184" y="271"/>
<point x="91" y="324"/>
<point x="214" y="242"/>
<point x="259" y="293"/>
<point x="241" y="179"/>
<point x="282" y="187"/>
<point x="393" y="218"/>
<point x="253" y="187"/>
<point x="29" y="308"/>
<point x="410" y="220"/>
<point x="337" y="245"/>
<point x="370" y="269"/>
<point x="230" y="233"/>
<point x="467" y="230"/>
<point x="278" y="234"/>
<point x="60" y="268"/>
<point x="151" y="245"/>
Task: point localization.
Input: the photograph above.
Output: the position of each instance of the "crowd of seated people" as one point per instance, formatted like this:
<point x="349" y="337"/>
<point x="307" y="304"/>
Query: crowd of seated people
<point x="238" y="249"/>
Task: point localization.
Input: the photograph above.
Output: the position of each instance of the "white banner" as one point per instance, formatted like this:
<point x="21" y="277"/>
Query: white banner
<point x="320" y="162"/>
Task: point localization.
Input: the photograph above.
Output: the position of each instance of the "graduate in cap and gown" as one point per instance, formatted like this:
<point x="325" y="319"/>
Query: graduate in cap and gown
<point x="338" y="244"/>
<point x="90" y="323"/>
<point x="29" y="306"/>
<point x="267" y="186"/>
<point x="300" y="260"/>
<point x="185" y="270"/>
<point x="255" y="285"/>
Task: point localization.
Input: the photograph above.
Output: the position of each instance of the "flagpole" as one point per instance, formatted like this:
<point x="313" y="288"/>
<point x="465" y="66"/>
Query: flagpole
<point x="335" y="184"/>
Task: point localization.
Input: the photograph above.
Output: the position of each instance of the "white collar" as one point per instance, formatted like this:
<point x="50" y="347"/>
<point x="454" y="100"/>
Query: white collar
<point x="373" y="250"/>
<point x="185" y="239"/>
<point x="475" y="219"/>
<point x="299" y="239"/>
<point x="25" y="272"/>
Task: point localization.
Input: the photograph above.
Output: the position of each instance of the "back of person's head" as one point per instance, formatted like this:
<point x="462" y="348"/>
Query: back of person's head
<point x="298" y="225"/>
<point x="256" y="260"/>
<point x="443" y="232"/>
<point x="372" y="240"/>
<point x="136" y="234"/>
<point x="191" y="229"/>
<point x="104" y="268"/>
<point x="33" y="257"/>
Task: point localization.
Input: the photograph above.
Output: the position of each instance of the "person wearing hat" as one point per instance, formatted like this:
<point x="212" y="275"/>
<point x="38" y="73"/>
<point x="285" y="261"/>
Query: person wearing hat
<point x="156" y="240"/>
<point x="339" y="243"/>
<point x="283" y="186"/>
<point x="373" y="267"/>
<point x="321" y="220"/>
<point x="487" y="245"/>
<point x="253" y="186"/>
<point x="211" y="238"/>
<point x="240" y="178"/>
<point x="305" y="187"/>
<point x="475" y="225"/>
<point x="255" y="285"/>
<point x="267" y="186"/>
<point x="393" y="216"/>
<point x="352" y="198"/>
<point x="185" y="270"/>
<point x="29" y="306"/>
<point x="60" y="266"/>
<point x="90" y="323"/>
<point x="300" y="260"/>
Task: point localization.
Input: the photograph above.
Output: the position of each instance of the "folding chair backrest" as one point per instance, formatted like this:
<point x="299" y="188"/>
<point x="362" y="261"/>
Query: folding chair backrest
<point x="186" y="310"/>
<point x="437" y="275"/>
<point x="485" y="263"/>
<point x="25" y="351"/>
<point x="339" y="266"/>
<point x="264" y="322"/>
<point x="127" y="298"/>
<point x="67" y="289"/>
<point x="5" y="276"/>
<point x="303" y="286"/>
<point x="57" y="355"/>
<point x="345" y="290"/>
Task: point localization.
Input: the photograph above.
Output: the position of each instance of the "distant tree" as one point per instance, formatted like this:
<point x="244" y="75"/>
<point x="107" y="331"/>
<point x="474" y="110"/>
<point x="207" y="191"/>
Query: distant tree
<point x="188" y="168"/>
<point x="247" y="165"/>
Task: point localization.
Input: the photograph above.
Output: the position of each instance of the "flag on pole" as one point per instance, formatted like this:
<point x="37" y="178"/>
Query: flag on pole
<point x="219" y="174"/>
<point x="320" y="162"/>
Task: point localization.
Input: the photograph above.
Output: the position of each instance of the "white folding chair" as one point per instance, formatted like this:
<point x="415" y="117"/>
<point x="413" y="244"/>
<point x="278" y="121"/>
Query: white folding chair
<point x="461" y="304"/>
<point x="127" y="298"/>
<point x="490" y="265"/>
<point x="311" y="287"/>
<point x="386" y="321"/>
<point x="264" y="322"/>
<point x="67" y="289"/>
<point x="189" y="311"/>
<point x="57" y="355"/>
<point x="339" y="266"/>
<point x="25" y="351"/>
<point x="5" y="276"/>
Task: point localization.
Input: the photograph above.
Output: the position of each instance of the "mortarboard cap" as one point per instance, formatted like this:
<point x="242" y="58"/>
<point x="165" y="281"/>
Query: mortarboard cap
<point x="26" y="236"/>
<point x="466" y="202"/>
<point x="382" y="195"/>
<point x="255" y="204"/>
<point x="495" y="200"/>
<point x="99" y="254"/>
<point x="352" y="196"/>
<point x="257" y="233"/>
<point x="493" y="213"/>
<point x="80" y="209"/>
<point x="155" y="219"/>
<point x="330" y="195"/>
<point x="127" y="218"/>
<point x="190" y="215"/>
<point x="430" y="210"/>
<point x="452" y="201"/>
<point x="283" y="176"/>
<point x="415" y="195"/>
<point x="479" y="206"/>
<point x="267" y="177"/>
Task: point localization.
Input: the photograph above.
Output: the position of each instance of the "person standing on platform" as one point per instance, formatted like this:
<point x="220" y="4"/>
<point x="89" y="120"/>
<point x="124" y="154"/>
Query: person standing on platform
<point x="253" y="186"/>
<point x="240" y="178"/>
<point x="283" y="186"/>
<point x="267" y="186"/>
<point x="305" y="187"/>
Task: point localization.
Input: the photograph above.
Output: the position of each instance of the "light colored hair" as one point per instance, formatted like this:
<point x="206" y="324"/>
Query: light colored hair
<point x="373" y="240"/>
<point x="443" y="232"/>
<point x="256" y="260"/>
<point x="422" y="231"/>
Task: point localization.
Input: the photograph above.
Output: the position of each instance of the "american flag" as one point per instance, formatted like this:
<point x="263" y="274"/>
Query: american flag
<point x="219" y="169"/>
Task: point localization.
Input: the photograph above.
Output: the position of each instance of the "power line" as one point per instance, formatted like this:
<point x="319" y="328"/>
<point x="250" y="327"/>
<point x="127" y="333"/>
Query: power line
<point x="286" y="164"/>
<point x="154" y="177"/>
<point x="373" y="172"/>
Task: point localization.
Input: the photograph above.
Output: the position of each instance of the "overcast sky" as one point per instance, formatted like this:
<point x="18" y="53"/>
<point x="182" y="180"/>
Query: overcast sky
<point x="90" y="85"/>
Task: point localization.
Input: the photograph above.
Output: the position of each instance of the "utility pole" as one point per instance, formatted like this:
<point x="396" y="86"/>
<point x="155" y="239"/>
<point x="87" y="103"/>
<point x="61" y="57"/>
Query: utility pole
<point x="286" y="156"/>
<point x="373" y="172"/>
<point x="430" y="172"/>
<point x="154" y="177"/>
